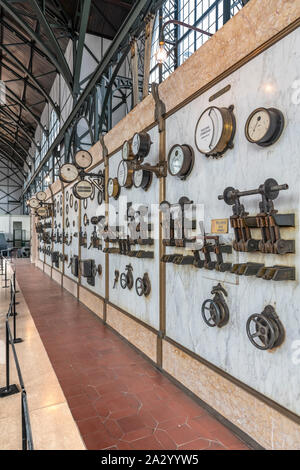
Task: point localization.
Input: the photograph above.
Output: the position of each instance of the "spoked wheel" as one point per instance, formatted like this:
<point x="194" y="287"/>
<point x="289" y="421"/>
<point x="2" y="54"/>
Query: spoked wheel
<point x="211" y="313"/>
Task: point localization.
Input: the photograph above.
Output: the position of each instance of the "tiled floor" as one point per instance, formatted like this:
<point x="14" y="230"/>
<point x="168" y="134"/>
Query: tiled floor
<point x="117" y="398"/>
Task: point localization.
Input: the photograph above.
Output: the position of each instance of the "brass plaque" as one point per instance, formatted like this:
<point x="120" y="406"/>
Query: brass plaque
<point x="219" y="226"/>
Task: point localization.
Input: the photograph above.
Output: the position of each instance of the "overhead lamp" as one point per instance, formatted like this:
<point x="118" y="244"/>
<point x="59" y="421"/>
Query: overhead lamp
<point x="161" y="54"/>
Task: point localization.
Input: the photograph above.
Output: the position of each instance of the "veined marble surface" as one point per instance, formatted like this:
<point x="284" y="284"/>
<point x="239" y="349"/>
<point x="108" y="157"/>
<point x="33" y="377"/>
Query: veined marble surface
<point x="269" y="80"/>
<point x="98" y="256"/>
<point x="59" y="220"/>
<point x="72" y="249"/>
<point x="144" y="308"/>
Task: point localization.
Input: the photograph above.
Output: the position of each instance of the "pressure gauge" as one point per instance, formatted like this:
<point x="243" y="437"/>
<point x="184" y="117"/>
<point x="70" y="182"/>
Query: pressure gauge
<point x="127" y="151"/>
<point x="68" y="173"/>
<point x="33" y="203"/>
<point x="83" y="189"/>
<point x="113" y="188"/>
<point x="180" y="161"/>
<point x="215" y="131"/>
<point x="264" y="126"/>
<point x="42" y="211"/>
<point x="141" y="144"/>
<point x="142" y="179"/>
<point x="100" y="197"/>
<point x="83" y="159"/>
<point x="41" y="196"/>
<point x="125" y="174"/>
<point x="71" y="200"/>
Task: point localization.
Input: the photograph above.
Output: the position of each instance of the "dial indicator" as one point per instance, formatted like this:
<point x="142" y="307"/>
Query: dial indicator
<point x="264" y="126"/>
<point x="68" y="173"/>
<point x="83" y="159"/>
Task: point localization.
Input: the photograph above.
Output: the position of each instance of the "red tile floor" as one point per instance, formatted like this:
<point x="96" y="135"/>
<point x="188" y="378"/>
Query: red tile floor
<point x="117" y="398"/>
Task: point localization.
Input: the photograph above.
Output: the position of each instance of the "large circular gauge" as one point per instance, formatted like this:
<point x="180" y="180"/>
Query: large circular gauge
<point x="42" y="211"/>
<point x="68" y="173"/>
<point x="33" y="203"/>
<point x="83" y="189"/>
<point x="41" y="196"/>
<point x="181" y="161"/>
<point x="142" y="179"/>
<point x="113" y="188"/>
<point x="141" y="144"/>
<point x="127" y="151"/>
<point x="83" y="159"/>
<point x="125" y="174"/>
<point x="264" y="126"/>
<point x="215" y="131"/>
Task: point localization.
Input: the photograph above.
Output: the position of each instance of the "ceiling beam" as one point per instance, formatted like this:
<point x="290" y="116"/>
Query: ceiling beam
<point x="14" y="162"/>
<point x="21" y="125"/>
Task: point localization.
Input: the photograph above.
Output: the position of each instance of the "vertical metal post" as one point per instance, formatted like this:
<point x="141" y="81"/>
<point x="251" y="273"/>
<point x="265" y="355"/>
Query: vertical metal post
<point x="226" y="10"/>
<point x="5" y="275"/>
<point x="8" y="389"/>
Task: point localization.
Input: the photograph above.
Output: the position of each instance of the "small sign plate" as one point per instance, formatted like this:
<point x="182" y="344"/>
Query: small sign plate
<point x="219" y="226"/>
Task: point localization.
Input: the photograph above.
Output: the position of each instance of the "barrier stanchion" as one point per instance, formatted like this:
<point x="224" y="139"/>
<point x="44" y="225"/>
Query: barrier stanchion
<point x="5" y="275"/>
<point x="9" y="389"/>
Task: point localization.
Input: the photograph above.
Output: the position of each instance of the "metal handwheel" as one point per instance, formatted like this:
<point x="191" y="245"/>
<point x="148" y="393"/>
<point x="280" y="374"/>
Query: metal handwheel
<point x="265" y="330"/>
<point x="211" y="313"/>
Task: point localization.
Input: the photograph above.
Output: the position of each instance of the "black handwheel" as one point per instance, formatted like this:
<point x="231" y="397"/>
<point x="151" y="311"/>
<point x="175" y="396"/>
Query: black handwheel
<point x="264" y="329"/>
<point x="129" y="280"/>
<point x="139" y="286"/>
<point x="123" y="280"/>
<point x="211" y="313"/>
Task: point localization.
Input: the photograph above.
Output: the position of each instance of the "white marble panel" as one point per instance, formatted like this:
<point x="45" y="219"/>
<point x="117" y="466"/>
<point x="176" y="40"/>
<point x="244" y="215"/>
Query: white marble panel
<point x="266" y="81"/>
<point x="73" y="216"/>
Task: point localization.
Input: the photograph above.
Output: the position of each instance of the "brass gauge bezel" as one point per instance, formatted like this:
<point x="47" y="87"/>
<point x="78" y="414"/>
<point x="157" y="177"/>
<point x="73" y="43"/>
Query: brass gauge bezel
<point x="77" y="157"/>
<point x="42" y="211"/>
<point x="116" y="188"/>
<point x="85" y="220"/>
<point x="274" y="130"/>
<point x="146" y="179"/>
<point x="144" y="144"/>
<point x="225" y="141"/>
<point x="77" y="185"/>
<point x="33" y="203"/>
<point x="41" y="196"/>
<point x="71" y="166"/>
<point x="129" y="178"/>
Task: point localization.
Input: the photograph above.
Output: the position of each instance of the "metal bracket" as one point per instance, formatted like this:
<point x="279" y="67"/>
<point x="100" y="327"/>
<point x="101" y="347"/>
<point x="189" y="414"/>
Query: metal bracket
<point x="160" y="107"/>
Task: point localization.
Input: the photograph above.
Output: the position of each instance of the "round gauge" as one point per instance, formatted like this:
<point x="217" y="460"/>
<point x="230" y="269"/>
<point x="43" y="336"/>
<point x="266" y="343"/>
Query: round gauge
<point x="68" y="173"/>
<point x="33" y="203"/>
<point x="67" y="222"/>
<point x="41" y="196"/>
<point x="215" y="131"/>
<point x="142" y="179"/>
<point x="83" y="189"/>
<point x="113" y="188"/>
<point x="67" y="209"/>
<point x="83" y="159"/>
<point x="76" y="206"/>
<point x="180" y="161"/>
<point x="85" y="203"/>
<point x="42" y="211"/>
<point x="100" y="197"/>
<point x="264" y="126"/>
<point x="71" y="200"/>
<point x="127" y="151"/>
<point x="85" y="220"/>
<point x="125" y="174"/>
<point x="67" y="196"/>
<point x="141" y="144"/>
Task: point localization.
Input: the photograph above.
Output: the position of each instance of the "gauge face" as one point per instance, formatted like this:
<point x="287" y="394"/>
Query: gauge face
<point x="41" y="196"/>
<point x="142" y="179"/>
<point x="42" y="211"/>
<point x="83" y="189"/>
<point x="180" y="161"/>
<point x="68" y="173"/>
<point x="83" y="159"/>
<point x="214" y="131"/>
<point x="33" y="203"/>
<point x="113" y="188"/>
<point x="125" y="150"/>
<point x="138" y="178"/>
<point x="258" y="125"/>
<point x="122" y="173"/>
<point x="264" y="126"/>
<point x="71" y="200"/>
<point x="136" y="142"/>
<point x="176" y="159"/>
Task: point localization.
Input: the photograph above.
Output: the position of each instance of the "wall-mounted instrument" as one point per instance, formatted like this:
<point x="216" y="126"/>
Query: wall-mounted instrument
<point x="125" y="174"/>
<point x="126" y="278"/>
<point x="113" y="188"/>
<point x="143" y="285"/>
<point x="181" y="161"/>
<point x="215" y="311"/>
<point x="215" y="130"/>
<point x="264" y="126"/>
